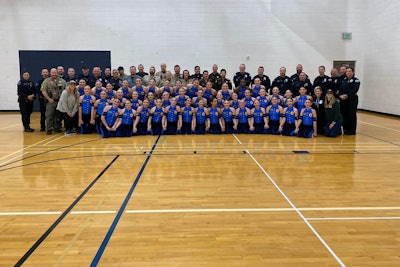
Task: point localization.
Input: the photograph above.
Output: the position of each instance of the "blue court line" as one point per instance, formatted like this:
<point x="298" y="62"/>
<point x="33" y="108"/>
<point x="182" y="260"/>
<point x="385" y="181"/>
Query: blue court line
<point x="62" y="216"/>
<point x="103" y="245"/>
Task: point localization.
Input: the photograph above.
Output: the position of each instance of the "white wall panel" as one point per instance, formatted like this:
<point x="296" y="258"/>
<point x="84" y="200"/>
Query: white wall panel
<point x="271" y="33"/>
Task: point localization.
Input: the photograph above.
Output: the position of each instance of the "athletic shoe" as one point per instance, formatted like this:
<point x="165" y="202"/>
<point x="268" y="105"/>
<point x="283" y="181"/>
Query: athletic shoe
<point x="29" y="130"/>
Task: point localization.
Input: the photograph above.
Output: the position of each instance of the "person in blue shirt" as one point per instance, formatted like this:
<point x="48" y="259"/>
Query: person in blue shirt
<point x="110" y="93"/>
<point x="228" y="114"/>
<point x="215" y="117"/>
<point x="172" y="121"/>
<point x="307" y="123"/>
<point x="259" y="120"/>
<point x="142" y="116"/>
<point x="289" y="118"/>
<point x="128" y="116"/>
<point x="263" y="98"/>
<point x="99" y="106"/>
<point x="202" y="119"/>
<point x="242" y="117"/>
<point x="154" y="124"/>
<point x="86" y="111"/>
<point x="273" y="115"/>
<point x="140" y="89"/>
<point x="188" y="117"/>
<point x="110" y="119"/>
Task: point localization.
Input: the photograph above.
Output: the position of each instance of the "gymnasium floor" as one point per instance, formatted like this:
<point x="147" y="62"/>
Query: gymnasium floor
<point x="226" y="200"/>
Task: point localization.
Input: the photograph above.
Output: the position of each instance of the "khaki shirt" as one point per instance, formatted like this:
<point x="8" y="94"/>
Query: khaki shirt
<point x="53" y="87"/>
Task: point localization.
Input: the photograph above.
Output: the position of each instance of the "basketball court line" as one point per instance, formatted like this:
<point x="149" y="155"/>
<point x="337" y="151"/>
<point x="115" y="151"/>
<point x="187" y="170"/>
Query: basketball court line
<point x="22" y="149"/>
<point x="10" y="126"/>
<point x="121" y="210"/>
<point x="41" y="153"/>
<point x="377" y="125"/>
<point x="237" y="139"/>
<point x="297" y="210"/>
<point x="63" y="215"/>
<point x="5" y="162"/>
<point x="210" y="210"/>
<point x="352" y="218"/>
<point x="51" y="141"/>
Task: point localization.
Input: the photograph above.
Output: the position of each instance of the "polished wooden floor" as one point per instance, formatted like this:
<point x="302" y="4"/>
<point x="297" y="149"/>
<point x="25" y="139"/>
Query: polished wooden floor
<point x="228" y="200"/>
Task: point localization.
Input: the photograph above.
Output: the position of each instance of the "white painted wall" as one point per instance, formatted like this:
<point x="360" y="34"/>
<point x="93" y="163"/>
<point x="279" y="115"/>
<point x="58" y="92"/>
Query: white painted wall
<point x="272" y="33"/>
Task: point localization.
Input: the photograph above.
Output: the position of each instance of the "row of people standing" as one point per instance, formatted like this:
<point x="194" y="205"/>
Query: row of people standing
<point x="347" y="95"/>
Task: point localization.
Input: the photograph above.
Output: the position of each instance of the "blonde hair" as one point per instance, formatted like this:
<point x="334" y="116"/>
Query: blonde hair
<point x="329" y="104"/>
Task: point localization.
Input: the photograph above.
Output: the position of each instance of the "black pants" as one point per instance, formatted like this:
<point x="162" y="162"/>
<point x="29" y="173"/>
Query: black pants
<point x="42" y="105"/>
<point x="348" y="107"/>
<point x="26" y="108"/>
<point x="70" y="122"/>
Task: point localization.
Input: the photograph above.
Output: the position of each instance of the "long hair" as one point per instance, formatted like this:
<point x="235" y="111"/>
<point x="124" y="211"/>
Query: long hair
<point x="329" y="104"/>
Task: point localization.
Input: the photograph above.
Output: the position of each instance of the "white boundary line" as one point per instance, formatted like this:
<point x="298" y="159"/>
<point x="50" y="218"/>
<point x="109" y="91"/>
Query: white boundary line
<point x="237" y="139"/>
<point x="376" y="125"/>
<point x="352" y="218"/>
<point x="297" y="211"/>
<point x="10" y="126"/>
<point x="94" y="212"/>
<point x="350" y="208"/>
<point x="51" y="141"/>
<point x="209" y="210"/>
<point x="22" y="149"/>
<point x="5" y="162"/>
<point x="16" y="213"/>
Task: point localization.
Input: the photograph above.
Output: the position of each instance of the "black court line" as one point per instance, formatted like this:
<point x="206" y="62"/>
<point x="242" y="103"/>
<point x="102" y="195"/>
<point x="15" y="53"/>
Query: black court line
<point x="62" y="216"/>
<point x="51" y="150"/>
<point x="52" y="160"/>
<point x="103" y="245"/>
<point x="201" y="153"/>
<point x="389" y="142"/>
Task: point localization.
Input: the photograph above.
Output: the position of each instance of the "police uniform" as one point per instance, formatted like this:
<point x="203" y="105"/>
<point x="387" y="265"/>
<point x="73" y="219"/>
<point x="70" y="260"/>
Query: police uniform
<point x="25" y="89"/>
<point x="142" y="74"/>
<point x="325" y="82"/>
<point x="264" y="81"/>
<point x="196" y="76"/>
<point x="92" y="81"/>
<point x="297" y="84"/>
<point x="242" y="76"/>
<point x="350" y="88"/>
<point x="116" y="83"/>
<point x="215" y="79"/>
<point x="318" y="105"/>
<point x="42" y="105"/>
<point x="296" y="77"/>
<point x="283" y="83"/>
<point x="228" y="82"/>
<point x="53" y="88"/>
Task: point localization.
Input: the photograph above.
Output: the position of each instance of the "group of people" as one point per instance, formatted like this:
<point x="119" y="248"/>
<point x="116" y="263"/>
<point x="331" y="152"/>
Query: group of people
<point x="117" y="104"/>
